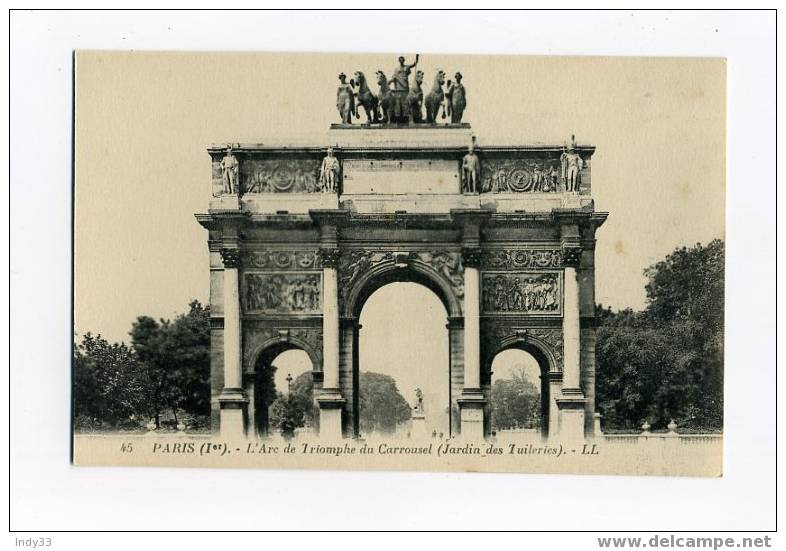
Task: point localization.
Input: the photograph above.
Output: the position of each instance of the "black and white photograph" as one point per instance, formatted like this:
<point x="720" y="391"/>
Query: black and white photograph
<point x="399" y="260"/>
<point x="397" y="273"/>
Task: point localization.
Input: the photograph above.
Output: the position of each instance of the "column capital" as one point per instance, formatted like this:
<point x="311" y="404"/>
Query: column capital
<point x="230" y="257"/>
<point x="571" y="255"/>
<point x="330" y="256"/>
<point x="470" y="257"/>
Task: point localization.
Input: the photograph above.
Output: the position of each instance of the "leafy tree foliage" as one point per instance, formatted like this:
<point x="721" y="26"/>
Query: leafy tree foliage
<point x="515" y="402"/>
<point x="296" y="409"/>
<point x="167" y="367"/>
<point x="287" y="413"/>
<point x="666" y="362"/>
<point x="176" y="356"/>
<point x="107" y="385"/>
<point x="382" y="407"/>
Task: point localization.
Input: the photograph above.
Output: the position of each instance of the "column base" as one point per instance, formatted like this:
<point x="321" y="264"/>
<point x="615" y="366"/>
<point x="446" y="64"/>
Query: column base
<point x="471" y="405"/>
<point x="234" y="413"/>
<point x="571" y="412"/>
<point x="331" y="405"/>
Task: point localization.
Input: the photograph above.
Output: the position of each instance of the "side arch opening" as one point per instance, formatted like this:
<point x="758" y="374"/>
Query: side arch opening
<point x="281" y="394"/>
<point x="519" y="393"/>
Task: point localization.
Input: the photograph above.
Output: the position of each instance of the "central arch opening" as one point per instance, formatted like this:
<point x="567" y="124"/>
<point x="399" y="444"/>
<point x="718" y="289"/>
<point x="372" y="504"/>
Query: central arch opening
<point x="404" y="375"/>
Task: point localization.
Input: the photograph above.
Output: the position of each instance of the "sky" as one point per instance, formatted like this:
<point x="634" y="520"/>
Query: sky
<point x="144" y="120"/>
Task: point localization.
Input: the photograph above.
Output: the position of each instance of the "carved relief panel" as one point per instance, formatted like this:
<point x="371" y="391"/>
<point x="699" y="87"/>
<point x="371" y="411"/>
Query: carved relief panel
<point x="282" y="293"/>
<point x="521" y="176"/>
<point x="496" y="259"/>
<point x="280" y="175"/>
<point x="282" y="281"/>
<point x="283" y="260"/>
<point x="536" y="293"/>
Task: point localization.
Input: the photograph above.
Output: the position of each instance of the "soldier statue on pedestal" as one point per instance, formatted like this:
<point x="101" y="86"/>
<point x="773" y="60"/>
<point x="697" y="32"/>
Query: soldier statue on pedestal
<point x="230" y="168"/>
<point x="470" y="171"/>
<point x="572" y="163"/>
<point x="329" y="173"/>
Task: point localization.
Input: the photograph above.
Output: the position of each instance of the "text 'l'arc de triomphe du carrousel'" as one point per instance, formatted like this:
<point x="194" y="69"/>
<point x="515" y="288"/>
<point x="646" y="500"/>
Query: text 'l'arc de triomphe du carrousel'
<point x="300" y="237"/>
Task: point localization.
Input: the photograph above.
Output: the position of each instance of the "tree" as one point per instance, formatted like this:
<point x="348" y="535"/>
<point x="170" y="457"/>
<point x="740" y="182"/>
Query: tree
<point x="688" y="286"/>
<point x="107" y="385"/>
<point x="296" y="408"/>
<point x="287" y="414"/>
<point x="666" y="362"/>
<point x="303" y="388"/>
<point x="382" y="407"/>
<point x="515" y="402"/>
<point x="176" y="359"/>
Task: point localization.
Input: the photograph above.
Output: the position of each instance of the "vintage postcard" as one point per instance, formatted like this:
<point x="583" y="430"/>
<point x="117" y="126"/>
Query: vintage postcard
<point x="400" y="262"/>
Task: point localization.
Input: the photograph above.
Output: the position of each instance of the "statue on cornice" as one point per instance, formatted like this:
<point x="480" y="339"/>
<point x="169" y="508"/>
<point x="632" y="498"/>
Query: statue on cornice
<point x="572" y="163"/>
<point x="470" y="171"/>
<point x="329" y="173"/>
<point x="230" y="169"/>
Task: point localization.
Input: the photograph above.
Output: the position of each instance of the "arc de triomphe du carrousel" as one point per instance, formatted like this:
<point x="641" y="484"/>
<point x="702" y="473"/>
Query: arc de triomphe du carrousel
<point x="300" y="236"/>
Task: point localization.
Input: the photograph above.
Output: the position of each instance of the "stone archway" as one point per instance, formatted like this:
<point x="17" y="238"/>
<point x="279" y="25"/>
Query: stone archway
<point x="506" y="260"/>
<point x="258" y="380"/>
<point x="550" y="378"/>
<point x="361" y="274"/>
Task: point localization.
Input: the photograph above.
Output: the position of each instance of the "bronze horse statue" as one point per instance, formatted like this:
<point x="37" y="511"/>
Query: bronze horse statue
<point x="366" y="98"/>
<point x="385" y="97"/>
<point x="415" y="98"/>
<point x="435" y="98"/>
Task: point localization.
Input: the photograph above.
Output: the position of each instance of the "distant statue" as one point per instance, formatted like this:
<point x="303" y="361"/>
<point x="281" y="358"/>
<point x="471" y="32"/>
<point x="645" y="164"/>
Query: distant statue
<point x="416" y="98"/>
<point x="345" y="100"/>
<point x="456" y="99"/>
<point x="230" y="169"/>
<point x="470" y="171"/>
<point x="365" y="98"/>
<point x="385" y="98"/>
<point x="418" y="400"/>
<point x="435" y="98"/>
<point x="400" y="81"/>
<point x="329" y="172"/>
<point x="572" y="163"/>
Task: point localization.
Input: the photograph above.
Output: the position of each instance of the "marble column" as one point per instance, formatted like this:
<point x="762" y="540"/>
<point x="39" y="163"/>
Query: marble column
<point x="233" y="400"/>
<point x="572" y="401"/>
<point x="472" y="401"/>
<point x="555" y="392"/>
<point x="331" y="402"/>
